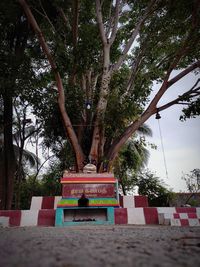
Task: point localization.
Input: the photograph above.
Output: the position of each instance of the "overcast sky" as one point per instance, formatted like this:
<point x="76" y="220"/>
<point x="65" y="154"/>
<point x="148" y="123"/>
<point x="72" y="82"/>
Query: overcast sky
<point x="181" y="140"/>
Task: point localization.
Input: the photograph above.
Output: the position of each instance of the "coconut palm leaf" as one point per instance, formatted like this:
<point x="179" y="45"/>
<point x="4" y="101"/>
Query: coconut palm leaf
<point x="144" y="129"/>
<point x="29" y="130"/>
<point x="28" y="156"/>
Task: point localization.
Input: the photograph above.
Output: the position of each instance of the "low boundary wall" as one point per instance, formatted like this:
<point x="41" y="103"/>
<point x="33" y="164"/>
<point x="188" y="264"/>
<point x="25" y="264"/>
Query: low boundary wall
<point x="45" y="217"/>
<point x="134" y="210"/>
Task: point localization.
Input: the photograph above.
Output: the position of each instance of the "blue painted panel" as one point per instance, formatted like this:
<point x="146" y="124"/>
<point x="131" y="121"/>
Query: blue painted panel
<point x="60" y="217"/>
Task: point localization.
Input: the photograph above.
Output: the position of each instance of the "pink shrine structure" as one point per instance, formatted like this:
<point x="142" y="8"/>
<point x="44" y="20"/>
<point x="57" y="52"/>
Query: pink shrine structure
<point x="101" y="192"/>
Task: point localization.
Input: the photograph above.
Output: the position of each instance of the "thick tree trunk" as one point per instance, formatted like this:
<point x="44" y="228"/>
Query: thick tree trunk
<point x="2" y="181"/>
<point x="9" y="163"/>
<point x="98" y="133"/>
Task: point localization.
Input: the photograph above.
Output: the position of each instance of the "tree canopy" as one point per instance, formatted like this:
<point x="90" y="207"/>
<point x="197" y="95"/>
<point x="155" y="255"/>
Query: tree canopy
<point x="108" y="54"/>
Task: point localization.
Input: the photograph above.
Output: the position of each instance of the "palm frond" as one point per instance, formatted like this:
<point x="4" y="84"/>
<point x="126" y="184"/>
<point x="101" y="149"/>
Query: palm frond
<point x="32" y="159"/>
<point x="145" y="130"/>
<point x="27" y="131"/>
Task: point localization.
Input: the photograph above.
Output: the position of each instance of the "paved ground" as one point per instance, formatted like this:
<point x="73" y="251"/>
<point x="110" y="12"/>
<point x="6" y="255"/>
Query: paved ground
<point x="100" y="246"/>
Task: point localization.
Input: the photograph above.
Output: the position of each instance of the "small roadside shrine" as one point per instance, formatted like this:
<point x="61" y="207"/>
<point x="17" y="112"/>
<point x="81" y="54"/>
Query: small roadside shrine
<point x="87" y="198"/>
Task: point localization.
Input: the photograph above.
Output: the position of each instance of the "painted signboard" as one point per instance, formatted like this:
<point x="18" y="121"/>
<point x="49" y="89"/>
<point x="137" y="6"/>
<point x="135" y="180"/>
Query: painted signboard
<point x="90" y="190"/>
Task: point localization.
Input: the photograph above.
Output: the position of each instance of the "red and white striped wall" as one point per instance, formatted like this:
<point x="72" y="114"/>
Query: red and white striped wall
<point x="137" y="216"/>
<point x="46" y="217"/>
<point x="141" y="216"/>
<point x="40" y="203"/>
<point x="27" y="218"/>
<point x="179" y="216"/>
<point x="134" y="210"/>
<point x="133" y="201"/>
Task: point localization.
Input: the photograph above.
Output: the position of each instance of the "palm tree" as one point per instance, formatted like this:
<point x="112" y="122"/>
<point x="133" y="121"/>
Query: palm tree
<point x="25" y="130"/>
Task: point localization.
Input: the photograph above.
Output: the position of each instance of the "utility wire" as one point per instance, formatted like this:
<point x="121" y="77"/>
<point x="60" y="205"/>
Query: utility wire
<point x="163" y="151"/>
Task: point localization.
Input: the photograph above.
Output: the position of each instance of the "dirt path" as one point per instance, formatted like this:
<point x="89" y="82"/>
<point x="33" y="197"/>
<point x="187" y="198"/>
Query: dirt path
<point x="94" y="246"/>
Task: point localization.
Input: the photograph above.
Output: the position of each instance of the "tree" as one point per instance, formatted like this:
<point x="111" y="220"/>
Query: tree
<point x="48" y="185"/>
<point x="154" y="188"/>
<point x="13" y="41"/>
<point x="132" y="158"/>
<point x="192" y="182"/>
<point x="111" y="52"/>
<point x="24" y="129"/>
<point x="17" y="75"/>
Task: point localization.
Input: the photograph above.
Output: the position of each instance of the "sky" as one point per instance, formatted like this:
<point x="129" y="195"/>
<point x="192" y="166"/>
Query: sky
<point x="181" y="140"/>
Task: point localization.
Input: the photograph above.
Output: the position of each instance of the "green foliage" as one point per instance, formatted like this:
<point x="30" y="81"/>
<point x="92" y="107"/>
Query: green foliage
<point x="193" y="202"/>
<point x="192" y="181"/>
<point x="192" y="111"/>
<point x="28" y="188"/>
<point x="51" y="181"/>
<point x="154" y="188"/>
<point x="131" y="159"/>
<point x="48" y="185"/>
<point x="159" y="38"/>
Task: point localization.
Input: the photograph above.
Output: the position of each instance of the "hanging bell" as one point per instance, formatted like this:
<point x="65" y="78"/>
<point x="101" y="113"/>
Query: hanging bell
<point x="158" y="116"/>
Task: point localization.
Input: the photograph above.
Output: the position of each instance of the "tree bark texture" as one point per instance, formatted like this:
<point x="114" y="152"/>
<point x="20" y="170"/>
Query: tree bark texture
<point x="8" y="163"/>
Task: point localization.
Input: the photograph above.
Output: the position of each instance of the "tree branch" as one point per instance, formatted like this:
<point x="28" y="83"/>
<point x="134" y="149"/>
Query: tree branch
<point x="165" y="85"/>
<point x="100" y="22"/>
<point x="116" y="20"/>
<point x="110" y="20"/>
<point x="61" y="96"/>
<point x="75" y="40"/>
<point x="75" y="22"/>
<point x="66" y="21"/>
<point x="134" y="34"/>
<point x="118" y="142"/>
<point x="183" y="73"/>
<point x="41" y="166"/>
<point x="189" y="94"/>
<point x="134" y="70"/>
<point x="46" y="16"/>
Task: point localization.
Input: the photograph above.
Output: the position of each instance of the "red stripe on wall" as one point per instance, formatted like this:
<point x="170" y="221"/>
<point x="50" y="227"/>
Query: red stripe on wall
<point x="151" y="215"/>
<point x="185" y="210"/>
<point x="46" y="218"/>
<point x="184" y="222"/>
<point x="14" y="216"/>
<point x="121" y="216"/>
<point x="192" y="215"/>
<point x="176" y="216"/>
<point x="47" y="203"/>
<point x="141" y="201"/>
